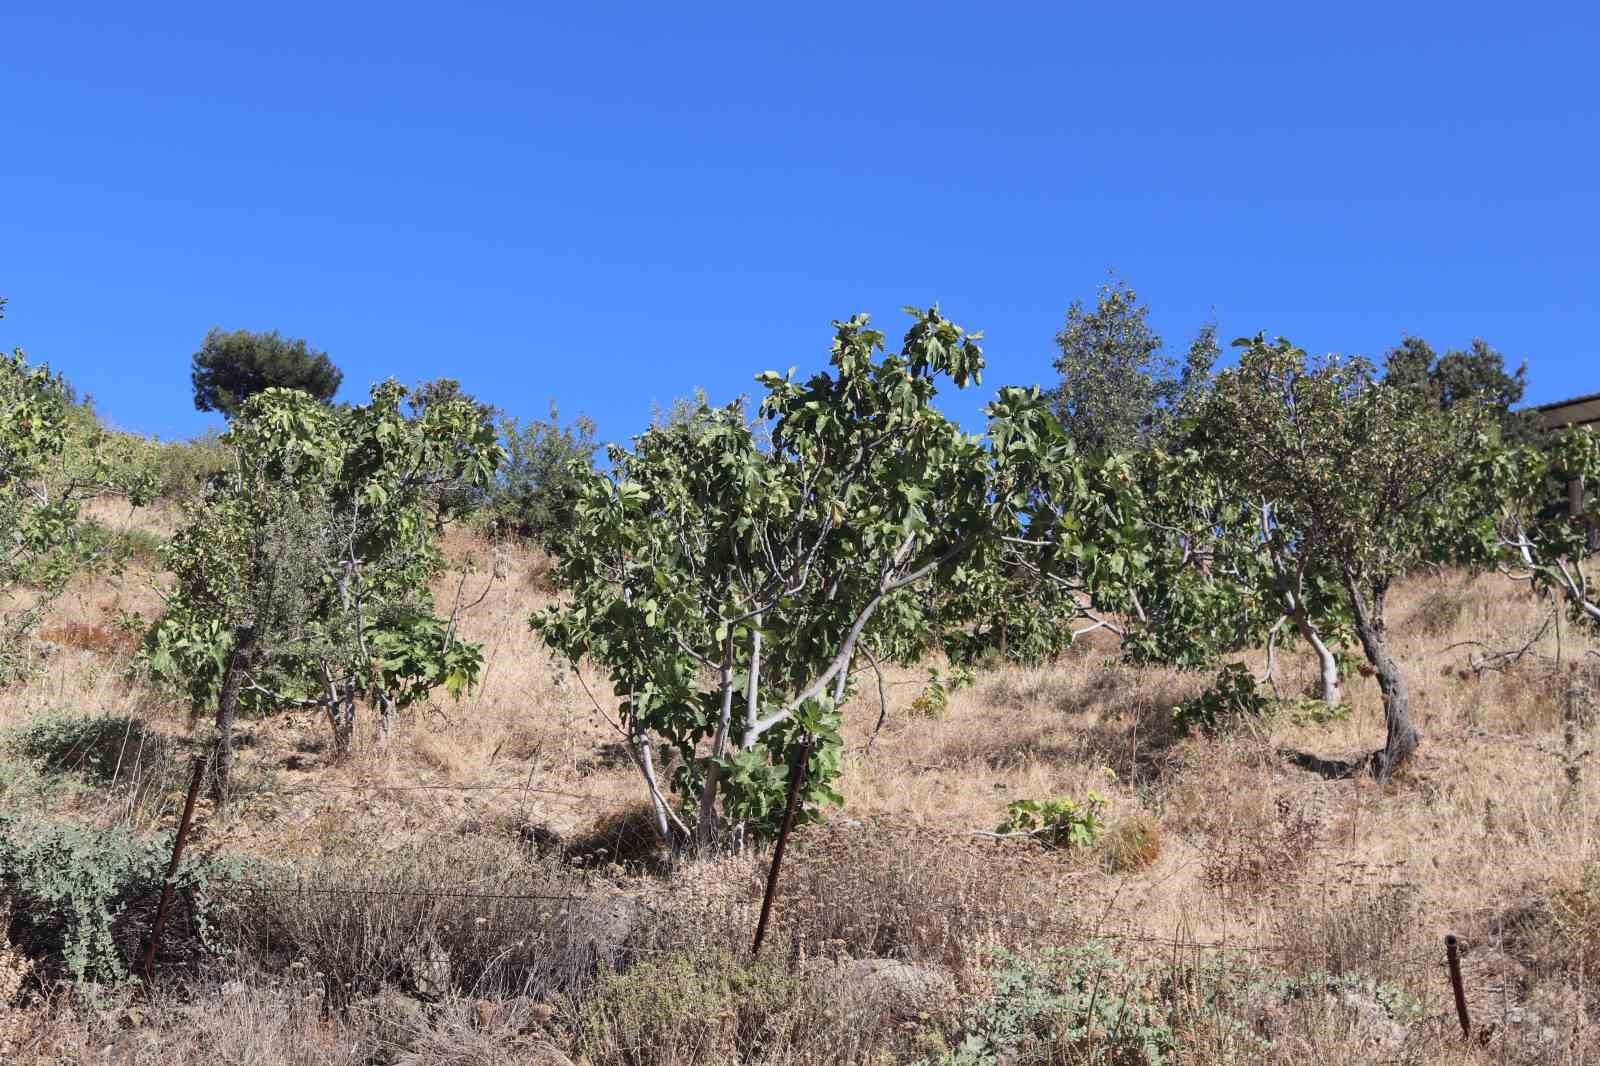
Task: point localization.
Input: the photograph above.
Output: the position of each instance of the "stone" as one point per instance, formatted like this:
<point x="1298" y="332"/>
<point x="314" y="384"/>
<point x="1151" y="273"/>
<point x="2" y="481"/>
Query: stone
<point x="903" y="990"/>
<point x="600" y="928"/>
<point x="427" y="968"/>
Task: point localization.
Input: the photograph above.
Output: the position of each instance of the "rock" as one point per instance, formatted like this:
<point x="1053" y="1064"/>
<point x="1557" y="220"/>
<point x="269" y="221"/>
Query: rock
<point x="598" y="930"/>
<point x="539" y="836"/>
<point x="903" y="990"/>
<point x="1374" y="1023"/>
<point x="524" y="1014"/>
<point x="547" y="1055"/>
<point x="1280" y="1015"/>
<point x="427" y="968"/>
<point x="394" y="1008"/>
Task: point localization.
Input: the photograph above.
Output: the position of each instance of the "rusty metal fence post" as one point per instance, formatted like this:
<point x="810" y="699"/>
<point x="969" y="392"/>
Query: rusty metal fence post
<point x="1452" y="955"/>
<point x="797" y="773"/>
<point x="156" y="927"/>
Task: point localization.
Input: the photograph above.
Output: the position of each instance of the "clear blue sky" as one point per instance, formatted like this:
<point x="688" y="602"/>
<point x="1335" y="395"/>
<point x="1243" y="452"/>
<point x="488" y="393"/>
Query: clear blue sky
<point x="609" y="204"/>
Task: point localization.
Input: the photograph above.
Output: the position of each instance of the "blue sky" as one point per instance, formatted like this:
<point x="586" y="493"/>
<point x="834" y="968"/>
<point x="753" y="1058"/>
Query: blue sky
<point x="610" y="204"/>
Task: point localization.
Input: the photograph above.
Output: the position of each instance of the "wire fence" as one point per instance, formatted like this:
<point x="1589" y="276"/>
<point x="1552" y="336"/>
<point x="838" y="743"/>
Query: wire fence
<point x="1423" y="969"/>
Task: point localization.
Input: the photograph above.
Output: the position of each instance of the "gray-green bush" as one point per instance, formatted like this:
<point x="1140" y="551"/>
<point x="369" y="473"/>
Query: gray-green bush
<point x="82" y="896"/>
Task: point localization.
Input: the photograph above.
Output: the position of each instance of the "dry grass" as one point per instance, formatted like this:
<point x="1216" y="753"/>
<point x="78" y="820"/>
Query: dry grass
<point x="1232" y="840"/>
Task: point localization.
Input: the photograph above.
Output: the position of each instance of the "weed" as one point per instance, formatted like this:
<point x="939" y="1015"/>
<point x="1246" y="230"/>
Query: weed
<point x="1057" y="823"/>
<point x="1132" y="844"/>
<point x="1233" y="700"/>
<point x="1272" y="855"/>
<point x="1083" y="1002"/>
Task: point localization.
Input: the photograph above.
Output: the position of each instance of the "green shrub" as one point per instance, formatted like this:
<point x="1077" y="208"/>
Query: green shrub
<point x="536" y="488"/>
<point x="683" y="1008"/>
<point x="708" y="1006"/>
<point x="1079" y="1005"/>
<point x="1057" y="823"/>
<point x="182" y="469"/>
<point x="1233" y="700"/>
<point x="82" y="897"/>
<point x="108" y="750"/>
<point x="1316" y="712"/>
<point x="934" y="699"/>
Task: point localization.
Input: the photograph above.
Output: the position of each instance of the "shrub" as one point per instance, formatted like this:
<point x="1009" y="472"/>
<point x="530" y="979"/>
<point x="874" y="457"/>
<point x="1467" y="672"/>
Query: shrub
<point x="1233" y="700"/>
<point x="180" y="469"/>
<point x="934" y="698"/>
<point x="625" y="836"/>
<point x="436" y="917"/>
<point x="1080" y="1005"/>
<point x="1274" y="854"/>
<point x="871" y="893"/>
<point x="1133" y="844"/>
<point x="706" y="1006"/>
<point x="1366" y="927"/>
<point x="1057" y="823"/>
<point x="53" y="456"/>
<point x="1569" y="922"/>
<point x="536" y="488"/>
<point x="111" y="750"/>
<point x="1316" y="712"/>
<point x="82" y="897"/>
<point x="711" y="1006"/>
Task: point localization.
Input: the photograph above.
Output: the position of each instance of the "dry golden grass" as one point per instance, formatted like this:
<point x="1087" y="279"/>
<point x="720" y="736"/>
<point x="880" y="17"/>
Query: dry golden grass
<point x="1233" y="841"/>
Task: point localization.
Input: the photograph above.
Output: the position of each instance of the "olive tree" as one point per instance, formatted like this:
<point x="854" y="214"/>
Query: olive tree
<point x="533" y="494"/>
<point x="302" y="576"/>
<point x="1357" y="483"/>
<point x="730" y="589"/>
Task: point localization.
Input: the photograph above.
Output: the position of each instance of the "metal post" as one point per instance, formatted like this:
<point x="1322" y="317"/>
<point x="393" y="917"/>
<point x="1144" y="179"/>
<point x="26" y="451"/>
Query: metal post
<point x="797" y="772"/>
<point x="172" y="867"/>
<point x="1452" y="954"/>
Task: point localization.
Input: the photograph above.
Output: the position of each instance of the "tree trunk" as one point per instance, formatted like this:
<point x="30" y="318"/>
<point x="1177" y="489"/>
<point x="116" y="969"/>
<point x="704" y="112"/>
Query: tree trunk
<point x="706" y="825"/>
<point x="342" y="716"/>
<point x="244" y="640"/>
<point x="1403" y="738"/>
<point x="1328" y="689"/>
<point x="385" y="720"/>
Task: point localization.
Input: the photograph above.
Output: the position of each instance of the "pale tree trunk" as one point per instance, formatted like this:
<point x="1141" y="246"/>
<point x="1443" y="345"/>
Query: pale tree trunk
<point x="1293" y="591"/>
<point x="342" y="717"/>
<point x="1403" y="738"/>
<point x="385" y="720"/>
<point x="1328" y="688"/>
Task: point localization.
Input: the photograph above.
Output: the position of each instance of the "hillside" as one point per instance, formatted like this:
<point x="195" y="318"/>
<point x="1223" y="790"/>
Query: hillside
<point x="1230" y="864"/>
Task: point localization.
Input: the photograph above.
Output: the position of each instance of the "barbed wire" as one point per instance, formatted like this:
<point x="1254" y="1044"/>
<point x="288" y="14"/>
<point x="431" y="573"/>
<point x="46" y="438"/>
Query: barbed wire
<point x="1070" y="933"/>
<point x="368" y="891"/>
<point x="295" y="790"/>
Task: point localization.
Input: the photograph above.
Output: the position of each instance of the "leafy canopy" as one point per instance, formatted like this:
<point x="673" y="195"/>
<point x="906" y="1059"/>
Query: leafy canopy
<point x="53" y="456"/>
<point x="316" y="544"/>
<point x="729" y="589"/>
<point x="1476" y="375"/>
<point x="1368" y="477"/>
<point x="1119" y="389"/>
<point x="1553" y="547"/>
<point x="230" y="368"/>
